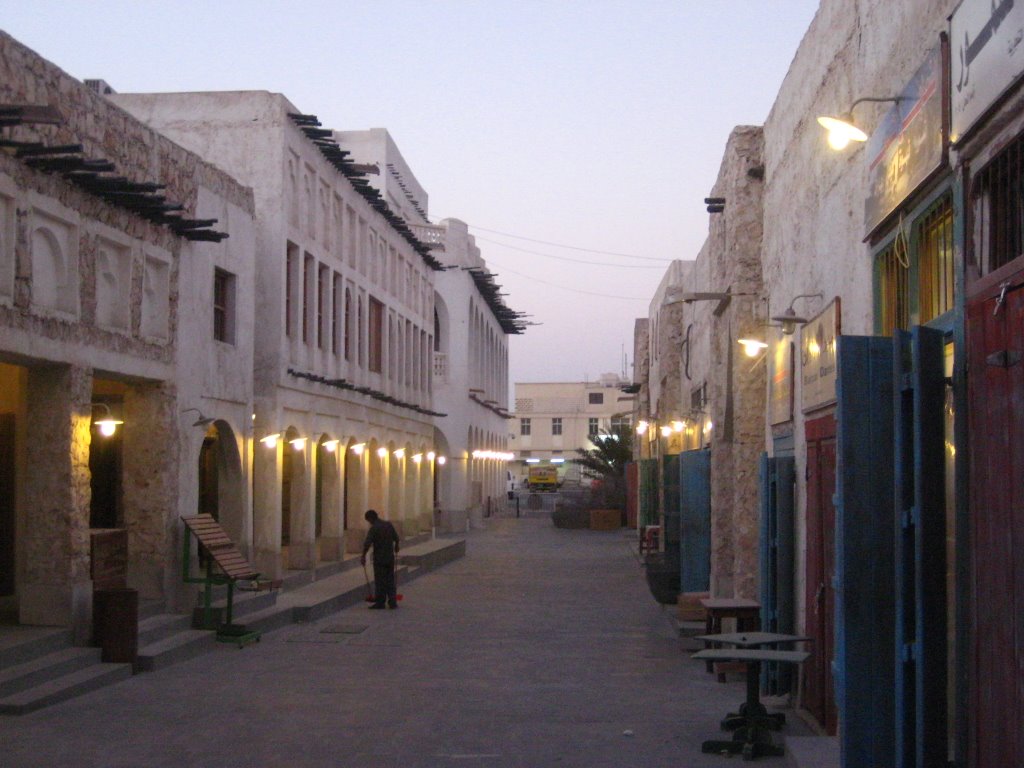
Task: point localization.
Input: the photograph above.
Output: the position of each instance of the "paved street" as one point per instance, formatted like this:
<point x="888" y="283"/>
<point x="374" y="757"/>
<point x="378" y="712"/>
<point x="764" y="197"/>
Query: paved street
<point x="542" y="647"/>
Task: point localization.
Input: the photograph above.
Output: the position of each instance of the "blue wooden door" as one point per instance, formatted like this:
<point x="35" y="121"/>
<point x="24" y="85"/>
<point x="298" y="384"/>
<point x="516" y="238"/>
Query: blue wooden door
<point x="865" y="651"/>
<point x="776" y="559"/>
<point x="920" y="548"/>
<point x="695" y="520"/>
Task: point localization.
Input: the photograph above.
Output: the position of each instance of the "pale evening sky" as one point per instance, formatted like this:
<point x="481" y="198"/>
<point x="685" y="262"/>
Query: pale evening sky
<point x="598" y="125"/>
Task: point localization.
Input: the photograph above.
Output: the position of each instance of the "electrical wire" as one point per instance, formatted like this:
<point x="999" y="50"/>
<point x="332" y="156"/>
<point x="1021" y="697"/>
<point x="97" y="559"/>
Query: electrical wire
<point x="563" y="245"/>
<point x="563" y="288"/>
<point x="566" y="258"/>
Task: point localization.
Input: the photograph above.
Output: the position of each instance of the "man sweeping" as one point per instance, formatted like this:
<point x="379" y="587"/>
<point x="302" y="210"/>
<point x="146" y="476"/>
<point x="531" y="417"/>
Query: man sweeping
<point x="383" y="537"/>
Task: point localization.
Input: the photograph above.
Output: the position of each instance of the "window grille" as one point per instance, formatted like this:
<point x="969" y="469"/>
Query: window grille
<point x="997" y="207"/>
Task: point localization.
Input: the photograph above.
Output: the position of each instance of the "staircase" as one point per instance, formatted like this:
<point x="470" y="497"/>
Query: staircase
<point x="39" y="666"/>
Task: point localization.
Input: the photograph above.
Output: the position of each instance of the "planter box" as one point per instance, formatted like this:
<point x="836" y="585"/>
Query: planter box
<point x="605" y="519"/>
<point x="570" y="518"/>
<point x="662" y="577"/>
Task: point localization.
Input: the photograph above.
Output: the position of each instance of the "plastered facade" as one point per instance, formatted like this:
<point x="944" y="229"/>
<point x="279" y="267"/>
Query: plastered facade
<point x="92" y="312"/>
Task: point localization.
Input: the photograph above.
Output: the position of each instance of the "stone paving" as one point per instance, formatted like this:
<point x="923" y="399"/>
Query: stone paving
<point x="542" y="647"/>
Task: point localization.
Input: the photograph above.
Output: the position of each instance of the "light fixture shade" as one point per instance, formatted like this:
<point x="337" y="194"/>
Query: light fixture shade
<point x="108" y="427"/>
<point x="358" y="449"/>
<point x="270" y="440"/>
<point x="330" y="445"/>
<point x="841" y="130"/>
<point x="382" y="452"/>
<point x="752" y="347"/>
<point x="790" y="320"/>
<point x="441" y="460"/>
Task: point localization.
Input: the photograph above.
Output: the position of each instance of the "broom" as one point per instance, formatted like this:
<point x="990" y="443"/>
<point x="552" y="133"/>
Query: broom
<point x="370" y="597"/>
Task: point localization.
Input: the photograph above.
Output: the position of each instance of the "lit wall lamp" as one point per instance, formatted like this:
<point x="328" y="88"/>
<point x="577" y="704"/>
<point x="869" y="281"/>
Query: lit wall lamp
<point x="400" y="453"/>
<point x="789" y="319"/>
<point x="298" y="443"/>
<point x="201" y="421"/>
<point x="358" y="449"/>
<point x="666" y="431"/>
<point x="417" y="458"/>
<point x="431" y="455"/>
<point x="841" y="130"/>
<point x="752" y="347"/>
<point x="641" y="426"/>
<point x="442" y="460"/>
<point x="382" y="452"/>
<point x="271" y="440"/>
<point x="107" y="426"/>
<point x="330" y="445"/>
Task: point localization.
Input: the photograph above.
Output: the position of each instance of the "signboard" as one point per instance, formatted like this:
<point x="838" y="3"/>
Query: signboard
<point x="780" y="378"/>
<point x="818" y="358"/>
<point x="907" y="146"/>
<point x="986" y="57"/>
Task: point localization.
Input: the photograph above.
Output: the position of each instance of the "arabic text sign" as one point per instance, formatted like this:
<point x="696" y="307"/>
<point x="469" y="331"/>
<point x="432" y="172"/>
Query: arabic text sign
<point x="907" y="145"/>
<point x="987" y="55"/>
<point x="818" y="358"/>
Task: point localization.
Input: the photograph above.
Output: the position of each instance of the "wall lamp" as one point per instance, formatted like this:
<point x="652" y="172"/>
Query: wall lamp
<point x="298" y="443"/>
<point x="441" y="460"/>
<point x="271" y="440"/>
<point x="330" y="445"/>
<point x="687" y="297"/>
<point x="201" y="421"/>
<point x="108" y="424"/>
<point x="382" y="452"/>
<point x="417" y="457"/>
<point x="842" y="130"/>
<point x="358" y="449"/>
<point x="789" y="319"/>
<point x="752" y="347"/>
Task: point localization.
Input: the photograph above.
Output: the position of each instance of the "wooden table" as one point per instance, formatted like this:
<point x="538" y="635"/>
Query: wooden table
<point x="746" y="612"/>
<point x="754" y="737"/>
<point x="751" y="640"/>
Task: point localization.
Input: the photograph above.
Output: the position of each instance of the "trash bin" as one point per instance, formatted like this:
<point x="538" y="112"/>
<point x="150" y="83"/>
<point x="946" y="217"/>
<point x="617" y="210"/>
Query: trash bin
<point x="115" y="624"/>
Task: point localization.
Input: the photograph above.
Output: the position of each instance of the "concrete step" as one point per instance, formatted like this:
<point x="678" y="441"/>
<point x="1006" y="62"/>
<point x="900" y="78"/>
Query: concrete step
<point x="160" y="626"/>
<point x="39" y="670"/>
<point x="63" y="688"/>
<point x="151" y="608"/>
<point x="21" y="644"/>
<point x="433" y="553"/>
<point x="181" y="646"/>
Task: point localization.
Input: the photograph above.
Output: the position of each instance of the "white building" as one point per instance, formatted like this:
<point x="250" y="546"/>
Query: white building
<point x="470" y="346"/>
<point x="345" y="328"/>
<point x="555" y="419"/>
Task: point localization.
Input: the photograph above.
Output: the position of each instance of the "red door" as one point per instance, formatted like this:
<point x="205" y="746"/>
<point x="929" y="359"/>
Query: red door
<point x="818" y="692"/>
<point x="995" y="356"/>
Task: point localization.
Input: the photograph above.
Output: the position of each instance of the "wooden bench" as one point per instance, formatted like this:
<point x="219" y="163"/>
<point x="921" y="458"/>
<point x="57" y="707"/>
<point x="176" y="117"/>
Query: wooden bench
<point x="233" y="569"/>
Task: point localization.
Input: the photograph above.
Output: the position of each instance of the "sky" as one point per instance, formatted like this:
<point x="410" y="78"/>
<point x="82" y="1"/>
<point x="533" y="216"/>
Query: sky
<point x="577" y="139"/>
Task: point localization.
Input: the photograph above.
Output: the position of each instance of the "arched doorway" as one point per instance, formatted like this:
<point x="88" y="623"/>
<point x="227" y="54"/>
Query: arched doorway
<point x="221" y="483"/>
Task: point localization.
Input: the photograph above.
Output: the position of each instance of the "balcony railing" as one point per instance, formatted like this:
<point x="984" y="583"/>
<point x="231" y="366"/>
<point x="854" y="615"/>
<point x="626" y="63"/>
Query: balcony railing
<point x="430" y="235"/>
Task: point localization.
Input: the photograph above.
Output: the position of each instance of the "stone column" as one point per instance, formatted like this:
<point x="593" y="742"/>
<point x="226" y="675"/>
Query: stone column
<point x="57" y="589"/>
<point x="302" y="544"/>
<point x="150" y="483"/>
<point x="266" y="502"/>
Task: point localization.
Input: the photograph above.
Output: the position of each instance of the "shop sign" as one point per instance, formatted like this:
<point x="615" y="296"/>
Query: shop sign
<point x="780" y="378"/>
<point x="986" y="57"/>
<point x="907" y="146"/>
<point x="818" y="358"/>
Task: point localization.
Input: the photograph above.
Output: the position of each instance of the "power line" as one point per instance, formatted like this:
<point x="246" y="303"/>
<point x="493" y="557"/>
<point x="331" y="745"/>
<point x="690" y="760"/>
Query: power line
<point x="563" y="288"/>
<point x="566" y="258"/>
<point x="571" y="247"/>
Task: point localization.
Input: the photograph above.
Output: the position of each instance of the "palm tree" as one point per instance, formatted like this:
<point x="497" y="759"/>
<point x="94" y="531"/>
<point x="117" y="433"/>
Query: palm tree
<point x="606" y="462"/>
